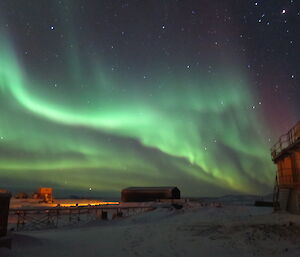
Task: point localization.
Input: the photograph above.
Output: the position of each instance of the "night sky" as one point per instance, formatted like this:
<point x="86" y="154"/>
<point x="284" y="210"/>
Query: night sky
<point x="96" y="96"/>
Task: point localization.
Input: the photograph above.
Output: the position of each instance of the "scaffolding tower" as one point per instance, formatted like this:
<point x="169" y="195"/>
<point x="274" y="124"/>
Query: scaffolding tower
<point x="286" y="155"/>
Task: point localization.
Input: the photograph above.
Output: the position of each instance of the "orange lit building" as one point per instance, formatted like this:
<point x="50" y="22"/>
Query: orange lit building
<point x="45" y="193"/>
<point x="286" y="155"/>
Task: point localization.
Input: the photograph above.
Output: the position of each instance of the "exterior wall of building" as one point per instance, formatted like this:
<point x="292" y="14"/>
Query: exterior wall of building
<point x="293" y="203"/>
<point x="288" y="178"/>
<point x="149" y="194"/>
<point x="296" y="164"/>
<point x="283" y="198"/>
<point x="44" y="191"/>
<point x="288" y="170"/>
<point x="284" y="171"/>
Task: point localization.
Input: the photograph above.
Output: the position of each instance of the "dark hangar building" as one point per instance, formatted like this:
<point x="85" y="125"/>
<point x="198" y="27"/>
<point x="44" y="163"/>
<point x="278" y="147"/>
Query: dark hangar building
<point x="147" y="194"/>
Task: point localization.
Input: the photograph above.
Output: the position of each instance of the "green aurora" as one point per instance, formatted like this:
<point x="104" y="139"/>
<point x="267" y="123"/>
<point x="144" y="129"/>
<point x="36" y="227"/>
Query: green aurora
<point x="94" y="129"/>
<point x="184" y="132"/>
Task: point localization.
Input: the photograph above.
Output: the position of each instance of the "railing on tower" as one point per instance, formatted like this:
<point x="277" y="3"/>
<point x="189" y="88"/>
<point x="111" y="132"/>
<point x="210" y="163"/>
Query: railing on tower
<point x="286" y="140"/>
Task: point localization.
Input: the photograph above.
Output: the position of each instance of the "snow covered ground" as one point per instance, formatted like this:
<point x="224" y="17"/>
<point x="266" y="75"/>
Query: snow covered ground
<point x="229" y="231"/>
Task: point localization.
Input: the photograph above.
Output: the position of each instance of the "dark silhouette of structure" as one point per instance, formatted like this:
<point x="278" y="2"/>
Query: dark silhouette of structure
<point x="286" y="155"/>
<point x="146" y="194"/>
<point x="4" y="210"/>
<point x="21" y="195"/>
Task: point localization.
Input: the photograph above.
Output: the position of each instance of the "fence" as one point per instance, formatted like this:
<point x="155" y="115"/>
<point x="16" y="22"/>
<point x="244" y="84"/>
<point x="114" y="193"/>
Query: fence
<point x="47" y="218"/>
